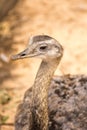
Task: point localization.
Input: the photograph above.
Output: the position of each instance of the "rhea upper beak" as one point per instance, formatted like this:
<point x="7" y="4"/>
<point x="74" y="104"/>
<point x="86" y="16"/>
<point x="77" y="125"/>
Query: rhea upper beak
<point x="24" y="54"/>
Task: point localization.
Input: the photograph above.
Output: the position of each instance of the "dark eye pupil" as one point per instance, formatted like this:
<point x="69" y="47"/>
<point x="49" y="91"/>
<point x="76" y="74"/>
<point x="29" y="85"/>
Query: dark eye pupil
<point x="43" y="47"/>
<point x="22" y="54"/>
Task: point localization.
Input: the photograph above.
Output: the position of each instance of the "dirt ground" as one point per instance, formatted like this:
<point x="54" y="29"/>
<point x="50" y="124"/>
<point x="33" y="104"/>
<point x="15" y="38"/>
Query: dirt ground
<point x="64" y="20"/>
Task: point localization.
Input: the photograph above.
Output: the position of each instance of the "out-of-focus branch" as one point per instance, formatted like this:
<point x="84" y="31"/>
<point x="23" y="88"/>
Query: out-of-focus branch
<point x="5" y="6"/>
<point x="10" y="124"/>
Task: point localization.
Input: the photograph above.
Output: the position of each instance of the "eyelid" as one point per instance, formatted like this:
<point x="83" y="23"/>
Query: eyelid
<point x="43" y="44"/>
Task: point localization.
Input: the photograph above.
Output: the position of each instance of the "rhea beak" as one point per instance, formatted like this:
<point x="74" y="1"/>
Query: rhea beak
<point x="24" y="54"/>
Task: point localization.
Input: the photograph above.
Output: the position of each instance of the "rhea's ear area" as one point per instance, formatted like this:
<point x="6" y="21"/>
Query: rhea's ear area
<point x="58" y="50"/>
<point x="58" y="47"/>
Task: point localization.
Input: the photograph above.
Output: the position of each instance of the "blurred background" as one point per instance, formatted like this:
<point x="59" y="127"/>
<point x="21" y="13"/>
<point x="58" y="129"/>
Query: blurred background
<point x="65" y="20"/>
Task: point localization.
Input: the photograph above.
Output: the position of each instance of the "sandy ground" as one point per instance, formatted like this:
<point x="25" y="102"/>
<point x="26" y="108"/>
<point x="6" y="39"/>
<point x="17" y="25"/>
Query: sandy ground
<point x="64" y="20"/>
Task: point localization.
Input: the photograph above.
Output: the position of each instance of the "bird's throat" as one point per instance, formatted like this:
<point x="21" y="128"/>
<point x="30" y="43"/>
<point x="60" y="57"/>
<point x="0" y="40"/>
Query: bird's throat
<point x="40" y="94"/>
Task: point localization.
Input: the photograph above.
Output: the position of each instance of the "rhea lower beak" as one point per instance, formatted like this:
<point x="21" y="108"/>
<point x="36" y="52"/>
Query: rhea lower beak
<point x="21" y="55"/>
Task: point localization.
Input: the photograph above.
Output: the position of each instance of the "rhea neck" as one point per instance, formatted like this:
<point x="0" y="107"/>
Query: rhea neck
<point x="40" y="93"/>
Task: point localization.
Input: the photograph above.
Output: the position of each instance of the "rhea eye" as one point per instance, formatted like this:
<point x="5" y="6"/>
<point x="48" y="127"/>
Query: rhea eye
<point x="43" y="47"/>
<point x="23" y="54"/>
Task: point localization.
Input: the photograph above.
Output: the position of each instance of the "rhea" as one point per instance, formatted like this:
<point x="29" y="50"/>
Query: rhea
<point x="33" y="113"/>
<point x="51" y="104"/>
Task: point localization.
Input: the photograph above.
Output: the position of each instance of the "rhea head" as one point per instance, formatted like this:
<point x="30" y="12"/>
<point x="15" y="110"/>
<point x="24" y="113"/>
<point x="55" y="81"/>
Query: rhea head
<point x="42" y="46"/>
